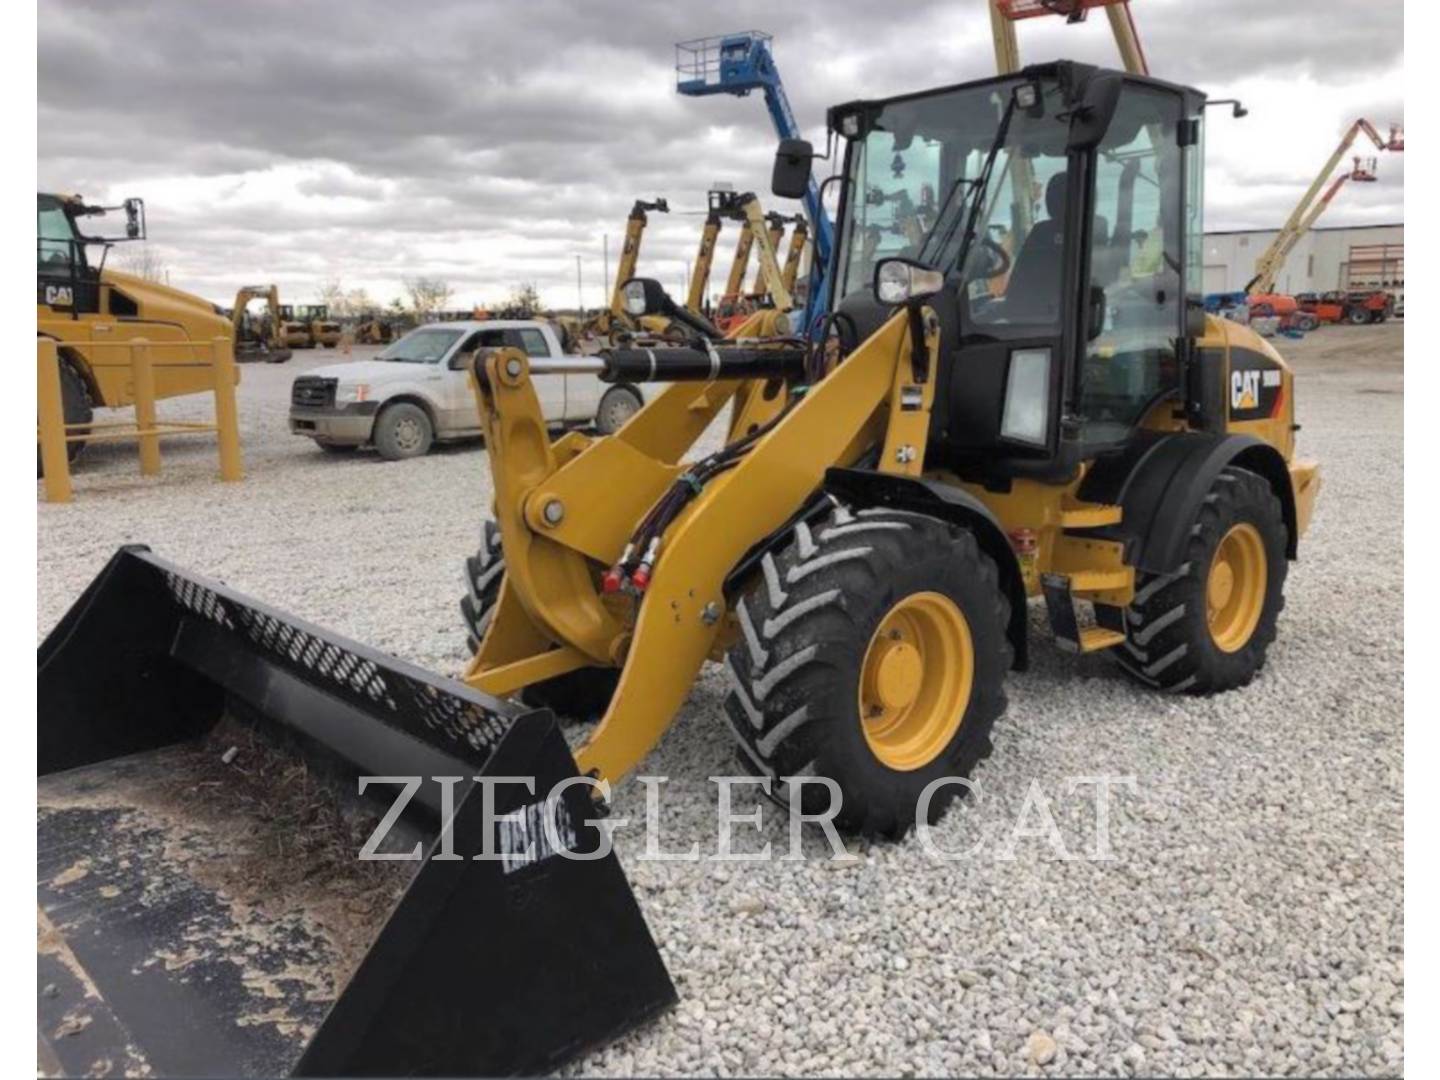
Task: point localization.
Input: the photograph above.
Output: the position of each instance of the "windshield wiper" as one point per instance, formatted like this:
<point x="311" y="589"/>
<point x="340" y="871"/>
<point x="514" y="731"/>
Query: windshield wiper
<point x="975" y="190"/>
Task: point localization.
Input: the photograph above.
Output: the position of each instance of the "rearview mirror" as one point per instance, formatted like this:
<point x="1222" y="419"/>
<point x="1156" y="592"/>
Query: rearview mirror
<point x="135" y="219"/>
<point x="791" y="176"/>
<point x="902" y="281"/>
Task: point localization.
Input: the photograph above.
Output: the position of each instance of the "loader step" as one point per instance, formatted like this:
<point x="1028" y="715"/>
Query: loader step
<point x="1096" y="638"/>
<point x="1069" y="635"/>
<point x="1084" y="582"/>
<point x="1089" y="515"/>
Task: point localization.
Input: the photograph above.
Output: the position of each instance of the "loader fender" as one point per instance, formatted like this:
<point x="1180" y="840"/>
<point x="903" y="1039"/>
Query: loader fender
<point x="864" y="488"/>
<point x="1159" y="484"/>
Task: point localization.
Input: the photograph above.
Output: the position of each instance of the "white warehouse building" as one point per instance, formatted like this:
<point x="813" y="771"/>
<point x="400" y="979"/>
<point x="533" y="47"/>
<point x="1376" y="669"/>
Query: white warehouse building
<point x="1337" y="257"/>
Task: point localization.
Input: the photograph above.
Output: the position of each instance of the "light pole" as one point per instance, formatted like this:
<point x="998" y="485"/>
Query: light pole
<point x="579" y="288"/>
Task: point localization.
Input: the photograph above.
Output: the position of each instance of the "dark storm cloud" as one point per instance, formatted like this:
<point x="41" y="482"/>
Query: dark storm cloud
<point x="494" y="141"/>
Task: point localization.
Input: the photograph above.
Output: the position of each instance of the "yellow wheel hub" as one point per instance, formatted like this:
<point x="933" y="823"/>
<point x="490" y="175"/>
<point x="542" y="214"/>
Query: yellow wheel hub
<point x="1235" y="588"/>
<point x="915" y="680"/>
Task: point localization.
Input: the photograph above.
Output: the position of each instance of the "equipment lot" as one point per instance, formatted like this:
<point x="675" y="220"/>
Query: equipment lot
<point x="1249" y="922"/>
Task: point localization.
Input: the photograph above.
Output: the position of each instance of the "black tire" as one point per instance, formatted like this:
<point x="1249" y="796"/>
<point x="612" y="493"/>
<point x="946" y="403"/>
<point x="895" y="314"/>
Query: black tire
<point x="616" y="408"/>
<point x="78" y="407"/>
<point x="403" y="430"/>
<point x="580" y="696"/>
<point x="806" y="625"/>
<point x="1169" y="645"/>
<point x="1357" y="316"/>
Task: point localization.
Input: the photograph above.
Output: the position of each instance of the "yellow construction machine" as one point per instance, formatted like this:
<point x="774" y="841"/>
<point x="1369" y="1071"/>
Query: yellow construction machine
<point x="94" y="312"/>
<point x="763" y="310"/>
<point x="859" y="553"/>
<point x="309" y="326"/>
<point x="258" y="338"/>
<point x="862" y="549"/>
<point x="614" y="319"/>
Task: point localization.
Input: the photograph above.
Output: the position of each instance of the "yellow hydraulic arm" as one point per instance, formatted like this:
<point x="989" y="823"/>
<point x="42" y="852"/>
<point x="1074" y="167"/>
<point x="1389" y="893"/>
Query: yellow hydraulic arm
<point x="630" y="253"/>
<point x="1268" y="265"/>
<point x="563" y="518"/>
<point x="723" y="203"/>
<point x="766" y="231"/>
<point x="774" y="232"/>
<point x="798" y="238"/>
<point x="735" y="283"/>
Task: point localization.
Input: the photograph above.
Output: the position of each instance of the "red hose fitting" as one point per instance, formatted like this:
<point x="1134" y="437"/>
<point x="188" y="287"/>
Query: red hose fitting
<point x="611" y="580"/>
<point x="641" y="577"/>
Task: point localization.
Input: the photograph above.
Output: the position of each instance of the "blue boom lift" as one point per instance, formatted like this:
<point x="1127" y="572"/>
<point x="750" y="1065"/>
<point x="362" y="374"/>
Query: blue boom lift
<point x="736" y="64"/>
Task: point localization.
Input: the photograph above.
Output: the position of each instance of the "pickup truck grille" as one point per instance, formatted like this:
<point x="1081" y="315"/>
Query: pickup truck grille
<point x="313" y="391"/>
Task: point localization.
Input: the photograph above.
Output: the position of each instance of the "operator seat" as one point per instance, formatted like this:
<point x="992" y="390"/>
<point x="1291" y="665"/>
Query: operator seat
<point x="1033" y="291"/>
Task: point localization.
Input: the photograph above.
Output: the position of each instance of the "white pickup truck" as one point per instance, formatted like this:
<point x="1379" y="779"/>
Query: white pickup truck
<point x="417" y="390"/>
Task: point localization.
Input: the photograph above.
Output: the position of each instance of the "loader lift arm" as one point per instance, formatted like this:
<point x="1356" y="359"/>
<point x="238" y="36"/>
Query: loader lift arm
<point x="562" y="520"/>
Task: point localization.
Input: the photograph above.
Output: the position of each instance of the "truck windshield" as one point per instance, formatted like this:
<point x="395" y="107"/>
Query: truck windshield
<point x="919" y="168"/>
<point x="421" y="346"/>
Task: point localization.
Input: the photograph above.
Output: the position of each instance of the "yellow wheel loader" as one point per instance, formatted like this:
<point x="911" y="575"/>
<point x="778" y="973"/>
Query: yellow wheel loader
<point x="861" y="551"/>
<point x="258" y="339"/>
<point x="92" y="311"/>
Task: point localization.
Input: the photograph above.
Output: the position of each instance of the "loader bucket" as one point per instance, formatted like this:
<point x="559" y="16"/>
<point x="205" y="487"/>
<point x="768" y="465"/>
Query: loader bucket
<point x="203" y="909"/>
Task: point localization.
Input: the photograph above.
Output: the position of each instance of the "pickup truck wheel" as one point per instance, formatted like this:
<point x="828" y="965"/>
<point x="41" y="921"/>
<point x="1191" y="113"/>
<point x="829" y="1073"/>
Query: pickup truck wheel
<point x="618" y="405"/>
<point x="403" y="430"/>
<point x="581" y="696"/>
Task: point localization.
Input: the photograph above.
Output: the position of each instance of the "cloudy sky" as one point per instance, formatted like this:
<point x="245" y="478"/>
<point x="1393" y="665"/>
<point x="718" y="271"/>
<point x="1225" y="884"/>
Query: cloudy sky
<point x="490" y="143"/>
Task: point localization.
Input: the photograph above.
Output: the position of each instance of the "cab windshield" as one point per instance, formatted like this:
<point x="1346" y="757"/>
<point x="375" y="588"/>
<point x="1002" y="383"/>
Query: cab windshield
<point x="421" y="346"/>
<point x="970" y="171"/>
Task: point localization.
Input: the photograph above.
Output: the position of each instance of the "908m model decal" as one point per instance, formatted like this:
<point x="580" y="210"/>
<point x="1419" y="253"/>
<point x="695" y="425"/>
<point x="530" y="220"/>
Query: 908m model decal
<point x="1255" y="386"/>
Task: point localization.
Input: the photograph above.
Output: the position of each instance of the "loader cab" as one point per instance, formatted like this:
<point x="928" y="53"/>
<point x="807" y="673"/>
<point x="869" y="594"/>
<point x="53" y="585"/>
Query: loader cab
<point x="1062" y="206"/>
<point x="67" y="274"/>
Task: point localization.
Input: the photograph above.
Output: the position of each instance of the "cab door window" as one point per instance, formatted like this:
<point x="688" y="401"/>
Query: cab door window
<point x="1137" y="279"/>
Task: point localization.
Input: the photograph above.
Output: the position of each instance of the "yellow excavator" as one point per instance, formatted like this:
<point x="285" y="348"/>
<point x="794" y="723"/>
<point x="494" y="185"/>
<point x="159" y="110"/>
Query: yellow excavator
<point x="259" y="339"/>
<point x="91" y="311"/>
<point x="859" y="553"/>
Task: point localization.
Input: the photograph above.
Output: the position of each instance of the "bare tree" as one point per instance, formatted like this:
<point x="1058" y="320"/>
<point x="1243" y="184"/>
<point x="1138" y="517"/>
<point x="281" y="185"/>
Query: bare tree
<point x="143" y="261"/>
<point x="332" y="294"/>
<point x="427" y="295"/>
<point x="358" y="302"/>
<point x="524" y="302"/>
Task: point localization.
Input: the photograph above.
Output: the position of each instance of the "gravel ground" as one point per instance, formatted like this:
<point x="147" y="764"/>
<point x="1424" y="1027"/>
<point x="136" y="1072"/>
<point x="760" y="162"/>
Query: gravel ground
<point x="1248" y="922"/>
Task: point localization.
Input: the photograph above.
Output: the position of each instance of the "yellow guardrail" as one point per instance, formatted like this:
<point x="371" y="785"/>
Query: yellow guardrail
<point x="53" y="433"/>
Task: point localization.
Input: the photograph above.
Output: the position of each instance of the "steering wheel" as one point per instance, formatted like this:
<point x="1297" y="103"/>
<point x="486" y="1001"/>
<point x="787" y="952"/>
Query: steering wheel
<point x="1001" y="253"/>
